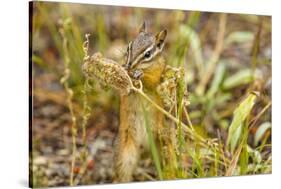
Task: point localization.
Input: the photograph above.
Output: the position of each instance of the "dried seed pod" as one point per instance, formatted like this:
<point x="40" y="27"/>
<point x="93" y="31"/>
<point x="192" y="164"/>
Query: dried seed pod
<point x="108" y="72"/>
<point x="167" y="89"/>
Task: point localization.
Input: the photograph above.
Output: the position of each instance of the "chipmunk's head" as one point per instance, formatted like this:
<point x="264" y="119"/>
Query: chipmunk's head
<point x="144" y="49"/>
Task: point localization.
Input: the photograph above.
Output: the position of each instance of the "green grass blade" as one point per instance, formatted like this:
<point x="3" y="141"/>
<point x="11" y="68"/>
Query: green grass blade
<point x="261" y="131"/>
<point x="239" y="116"/>
<point x="152" y="145"/>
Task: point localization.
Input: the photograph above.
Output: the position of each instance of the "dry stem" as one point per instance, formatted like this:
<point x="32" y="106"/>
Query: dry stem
<point x="69" y="93"/>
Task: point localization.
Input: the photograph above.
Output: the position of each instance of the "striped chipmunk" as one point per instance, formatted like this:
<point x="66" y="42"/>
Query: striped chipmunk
<point x="144" y="61"/>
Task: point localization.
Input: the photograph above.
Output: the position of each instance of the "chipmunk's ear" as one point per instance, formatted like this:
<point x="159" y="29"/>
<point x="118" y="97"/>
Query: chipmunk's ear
<point x="160" y="38"/>
<point x="142" y="27"/>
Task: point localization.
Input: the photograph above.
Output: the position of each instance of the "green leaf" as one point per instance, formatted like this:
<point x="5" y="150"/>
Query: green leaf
<point x="239" y="37"/>
<point x="244" y="156"/>
<point x="255" y="154"/>
<point x="261" y="131"/>
<point x="220" y="71"/>
<point x="241" y="77"/>
<point x="40" y="62"/>
<point x="239" y="116"/>
<point x="189" y="34"/>
<point x="235" y="136"/>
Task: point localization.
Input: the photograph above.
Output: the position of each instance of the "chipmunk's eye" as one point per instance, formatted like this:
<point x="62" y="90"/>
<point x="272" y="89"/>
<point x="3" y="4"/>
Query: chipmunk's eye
<point x="147" y="54"/>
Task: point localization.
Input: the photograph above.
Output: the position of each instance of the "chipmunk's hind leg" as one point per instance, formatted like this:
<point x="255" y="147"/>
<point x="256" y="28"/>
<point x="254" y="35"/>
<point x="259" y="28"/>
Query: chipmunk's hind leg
<point x="127" y="157"/>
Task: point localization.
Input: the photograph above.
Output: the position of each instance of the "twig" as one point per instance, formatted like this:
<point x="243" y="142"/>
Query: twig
<point x="260" y="114"/>
<point x="188" y="118"/>
<point x="145" y="174"/>
<point x="234" y="161"/>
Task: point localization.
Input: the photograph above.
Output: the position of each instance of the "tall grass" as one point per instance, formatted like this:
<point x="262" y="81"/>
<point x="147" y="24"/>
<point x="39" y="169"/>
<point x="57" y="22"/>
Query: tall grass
<point x="152" y="144"/>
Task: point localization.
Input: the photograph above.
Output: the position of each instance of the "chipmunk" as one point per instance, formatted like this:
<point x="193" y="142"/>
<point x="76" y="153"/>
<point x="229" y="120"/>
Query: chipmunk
<point x="144" y="61"/>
